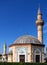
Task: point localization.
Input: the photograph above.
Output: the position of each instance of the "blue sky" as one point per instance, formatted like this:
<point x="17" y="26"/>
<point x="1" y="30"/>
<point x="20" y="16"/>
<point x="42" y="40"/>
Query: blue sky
<point x="18" y="17"/>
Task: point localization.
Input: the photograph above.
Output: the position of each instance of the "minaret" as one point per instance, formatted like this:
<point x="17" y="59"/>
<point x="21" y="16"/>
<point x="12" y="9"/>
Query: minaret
<point x="40" y="23"/>
<point x="4" y="50"/>
<point x="4" y="55"/>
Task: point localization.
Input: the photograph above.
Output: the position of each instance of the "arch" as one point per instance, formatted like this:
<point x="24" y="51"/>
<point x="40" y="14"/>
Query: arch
<point x="37" y="55"/>
<point x="37" y="51"/>
<point x="22" y="51"/>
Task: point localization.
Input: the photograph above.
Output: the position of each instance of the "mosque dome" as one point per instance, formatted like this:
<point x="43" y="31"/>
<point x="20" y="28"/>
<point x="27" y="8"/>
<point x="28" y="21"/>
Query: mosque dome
<point x="26" y="39"/>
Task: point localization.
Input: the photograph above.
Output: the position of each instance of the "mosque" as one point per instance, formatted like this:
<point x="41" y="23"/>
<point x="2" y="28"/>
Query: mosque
<point x="27" y="48"/>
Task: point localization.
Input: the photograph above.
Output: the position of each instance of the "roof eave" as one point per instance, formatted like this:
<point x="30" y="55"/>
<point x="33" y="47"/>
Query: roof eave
<point x="27" y="44"/>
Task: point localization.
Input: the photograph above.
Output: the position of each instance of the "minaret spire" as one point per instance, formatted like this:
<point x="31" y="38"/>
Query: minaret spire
<point x="39" y="10"/>
<point x="39" y="16"/>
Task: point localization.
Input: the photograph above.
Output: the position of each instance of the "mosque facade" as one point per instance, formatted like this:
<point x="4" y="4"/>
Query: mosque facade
<point x="27" y="48"/>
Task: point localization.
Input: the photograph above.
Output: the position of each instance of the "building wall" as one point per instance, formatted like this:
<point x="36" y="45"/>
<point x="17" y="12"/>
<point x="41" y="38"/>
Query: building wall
<point x="15" y="52"/>
<point x="41" y="49"/>
<point x="29" y="52"/>
<point x="10" y="58"/>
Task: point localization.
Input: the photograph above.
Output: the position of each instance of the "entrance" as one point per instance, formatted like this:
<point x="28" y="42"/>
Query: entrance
<point x="22" y="58"/>
<point x="37" y="58"/>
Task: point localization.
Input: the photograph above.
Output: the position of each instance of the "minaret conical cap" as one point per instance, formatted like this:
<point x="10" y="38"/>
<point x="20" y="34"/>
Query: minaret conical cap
<point x="39" y="10"/>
